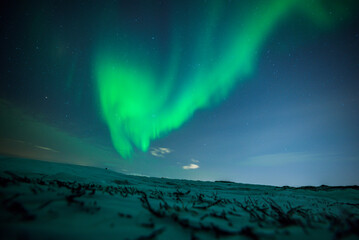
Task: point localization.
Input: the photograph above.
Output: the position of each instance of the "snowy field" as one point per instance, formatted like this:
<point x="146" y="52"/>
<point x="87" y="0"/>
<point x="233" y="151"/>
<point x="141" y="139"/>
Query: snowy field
<point x="41" y="200"/>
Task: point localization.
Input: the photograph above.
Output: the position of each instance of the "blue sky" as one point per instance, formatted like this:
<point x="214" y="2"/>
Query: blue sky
<point x="292" y="122"/>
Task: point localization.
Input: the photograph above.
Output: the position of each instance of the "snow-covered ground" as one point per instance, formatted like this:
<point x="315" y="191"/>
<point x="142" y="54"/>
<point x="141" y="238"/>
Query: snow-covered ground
<point x="42" y="200"/>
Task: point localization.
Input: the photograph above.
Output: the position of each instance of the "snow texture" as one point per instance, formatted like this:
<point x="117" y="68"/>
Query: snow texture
<point x="42" y="200"/>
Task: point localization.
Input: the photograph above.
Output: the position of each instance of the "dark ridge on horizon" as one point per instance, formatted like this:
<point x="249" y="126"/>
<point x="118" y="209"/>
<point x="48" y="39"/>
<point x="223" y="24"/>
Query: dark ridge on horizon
<point x="306" y="187"/>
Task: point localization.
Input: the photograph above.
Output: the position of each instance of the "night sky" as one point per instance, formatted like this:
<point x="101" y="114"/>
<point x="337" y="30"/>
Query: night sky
<point x="262" y="92"/>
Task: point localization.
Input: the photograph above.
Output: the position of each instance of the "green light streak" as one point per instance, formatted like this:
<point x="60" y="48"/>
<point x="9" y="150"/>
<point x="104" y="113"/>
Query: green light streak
<point x="148" y="88"/>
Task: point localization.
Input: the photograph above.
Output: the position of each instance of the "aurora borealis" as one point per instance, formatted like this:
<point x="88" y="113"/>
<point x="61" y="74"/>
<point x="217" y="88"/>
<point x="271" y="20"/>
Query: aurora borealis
<point x="261" y="91"/>
<point x="149" y="87"/>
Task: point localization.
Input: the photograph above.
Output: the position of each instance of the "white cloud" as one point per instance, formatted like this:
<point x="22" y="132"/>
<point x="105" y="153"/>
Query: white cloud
<point x="191" y="166"/>
<point x="46" y="148"/>
<point x="165" y="150"/>
<point x="160" y="151"/>
<point x="195" y="160"/>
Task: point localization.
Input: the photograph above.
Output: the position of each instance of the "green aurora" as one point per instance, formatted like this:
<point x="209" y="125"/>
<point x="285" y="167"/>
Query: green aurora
<point x="152" y="78"/>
